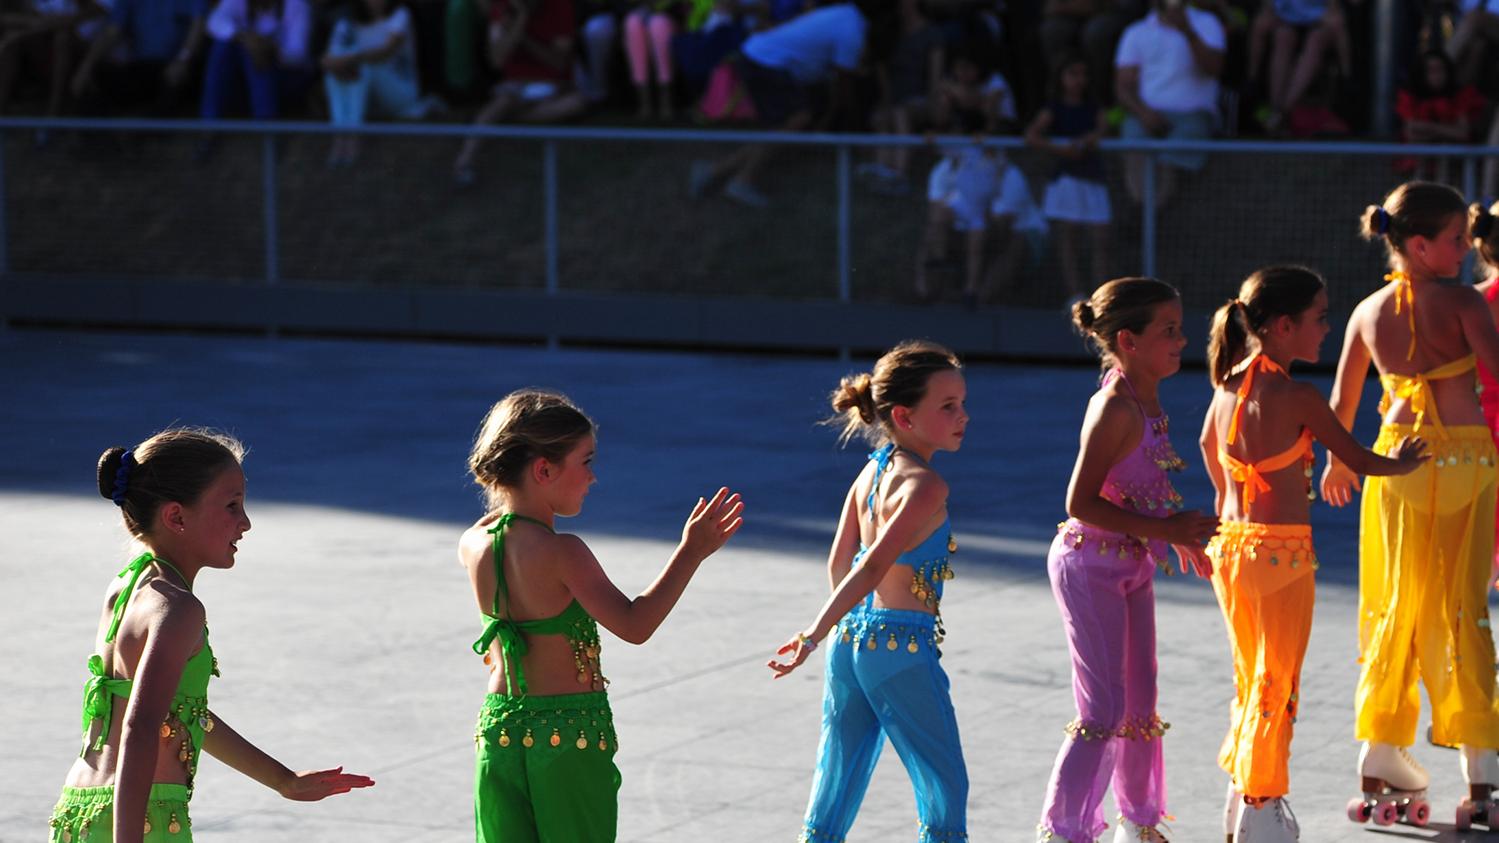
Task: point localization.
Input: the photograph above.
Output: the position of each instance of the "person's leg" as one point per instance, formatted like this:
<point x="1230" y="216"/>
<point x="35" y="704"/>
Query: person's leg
<point x="500" y="107"/>
<point x="564" y="106"/>
<point x="850" y="743"/>
<point x="265" y="90"/>
<point x="1282" y="54"/>
<point x="600" y="33"/>
<point x="502" y="790"/>
<point x="661" y="28"/>
<point x="1454" y="644"/>
<point x="1007" y="247"/>
<point x="973" y="263"/>
<point x="1094" y="619"/>
<point x="1134" y="162"/>
<point x="1387" y="702"/>
<point x="1313" y="52"/>
<point x="223" y="77"/>
<point x="1261" y="32"/>
<point x="755" y="155"/>
<point x="1099" y="237"/>
<point x="62" y="69"/>
<point x="911" y="694"/>
<point x="933" y="245"/>
<point x="1140" y="769"/>
<point x="1067" y="255"/>
<point x="570" y="771"/>
<point x="637" y="51"/>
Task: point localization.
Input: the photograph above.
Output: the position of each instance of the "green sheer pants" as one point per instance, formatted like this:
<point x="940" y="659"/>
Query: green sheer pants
<point x="544" y="770"/>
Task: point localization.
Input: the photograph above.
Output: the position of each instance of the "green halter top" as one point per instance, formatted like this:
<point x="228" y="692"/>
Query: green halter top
<point x="574" y="622"/>
<point x="188" y="716"/>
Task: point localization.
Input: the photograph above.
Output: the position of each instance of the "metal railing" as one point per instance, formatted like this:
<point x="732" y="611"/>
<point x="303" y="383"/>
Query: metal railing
<point x="551" y="137"/>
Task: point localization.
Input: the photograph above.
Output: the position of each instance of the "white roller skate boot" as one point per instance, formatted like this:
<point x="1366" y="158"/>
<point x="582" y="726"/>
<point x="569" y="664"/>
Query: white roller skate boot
<point x="1394" y="787"/>
<point x="1128" y="832"/>
<point x="1231" y="802"/>
<point x="1481" y="772"/>
<point x="1266" y="821"/>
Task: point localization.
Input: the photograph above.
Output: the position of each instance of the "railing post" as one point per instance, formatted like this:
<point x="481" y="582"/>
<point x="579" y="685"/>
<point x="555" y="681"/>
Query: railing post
<point x="269" y="199"/>
<point x="1147" y="228"/>
<point x="549" y="190"/>
<point x="272" y="221"/>
<point x="845" y="282"/>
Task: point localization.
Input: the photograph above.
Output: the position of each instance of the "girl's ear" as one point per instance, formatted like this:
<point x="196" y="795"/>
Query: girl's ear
<point x="170" y="518"/>
<point x="542" y="471"/>
<point x="1125" y="340"/>
<point x="901" y="417"/>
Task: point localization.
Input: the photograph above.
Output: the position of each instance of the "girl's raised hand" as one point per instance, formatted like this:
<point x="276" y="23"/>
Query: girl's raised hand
<point x="1339" y="482"/>
<point x="313" y="785"/>
<point x="1410" y="453"/>
<point x="799" y="648"/>
<point x="1190" y="527"/>
<point x="712" y="523"/>
<point x="1196" y="556"/>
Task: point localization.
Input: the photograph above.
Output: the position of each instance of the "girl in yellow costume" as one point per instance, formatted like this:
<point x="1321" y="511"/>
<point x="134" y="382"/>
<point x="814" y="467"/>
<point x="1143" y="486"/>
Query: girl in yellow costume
<point x="146" y="719"/>
<point x="1426" y="539"/>
<point x="1257" y="446"/>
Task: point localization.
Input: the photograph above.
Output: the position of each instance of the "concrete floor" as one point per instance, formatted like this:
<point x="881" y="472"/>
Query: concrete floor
<point x="344" y="629"/>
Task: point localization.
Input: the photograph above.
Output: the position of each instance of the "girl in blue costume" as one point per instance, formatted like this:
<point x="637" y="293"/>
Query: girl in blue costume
<point x="886" y="567"/>
<point x="182" y="496"/>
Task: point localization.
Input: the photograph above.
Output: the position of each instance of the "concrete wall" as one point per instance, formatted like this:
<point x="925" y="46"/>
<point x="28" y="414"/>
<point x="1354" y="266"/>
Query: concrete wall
<point x="520" y="316"/>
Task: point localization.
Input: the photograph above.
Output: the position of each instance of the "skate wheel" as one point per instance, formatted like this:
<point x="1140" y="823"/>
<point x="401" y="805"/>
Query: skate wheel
<point x="1464" y="819"/>
<point x="1358" y="810"/>
<point x="1418" y="813"/>
<point x="1386" y="813"/>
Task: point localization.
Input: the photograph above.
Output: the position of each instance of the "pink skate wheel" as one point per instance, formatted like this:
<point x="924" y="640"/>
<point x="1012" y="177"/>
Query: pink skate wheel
<point x="1358" y="810"/>
<point x="1418" y="812"/>
<point x="1386" y="813"/>
<point x="1464" y="820"/>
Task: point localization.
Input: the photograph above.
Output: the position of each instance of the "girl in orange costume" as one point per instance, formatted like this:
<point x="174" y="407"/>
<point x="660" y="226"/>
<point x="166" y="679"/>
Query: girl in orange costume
<point x="1262" y="556"/>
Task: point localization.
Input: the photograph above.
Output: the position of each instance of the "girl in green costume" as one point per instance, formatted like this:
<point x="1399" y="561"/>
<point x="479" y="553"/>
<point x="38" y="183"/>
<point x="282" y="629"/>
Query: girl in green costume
<point x="145" y="704"/>
<point x="545" y="739"/>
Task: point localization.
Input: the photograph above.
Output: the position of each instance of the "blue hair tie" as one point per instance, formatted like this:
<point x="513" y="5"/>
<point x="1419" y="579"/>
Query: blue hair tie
<point x="122" y="477"/>
<point x="1381" y="221"/>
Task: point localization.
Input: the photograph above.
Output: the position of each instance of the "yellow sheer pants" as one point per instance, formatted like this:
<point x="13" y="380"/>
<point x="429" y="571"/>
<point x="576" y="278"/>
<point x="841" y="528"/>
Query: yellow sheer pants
<point x="1426" y="546"/>
<point x="1262" y="574"/>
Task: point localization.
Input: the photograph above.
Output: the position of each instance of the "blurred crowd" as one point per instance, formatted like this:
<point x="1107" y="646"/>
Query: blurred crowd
<point x="1062" y="73"/>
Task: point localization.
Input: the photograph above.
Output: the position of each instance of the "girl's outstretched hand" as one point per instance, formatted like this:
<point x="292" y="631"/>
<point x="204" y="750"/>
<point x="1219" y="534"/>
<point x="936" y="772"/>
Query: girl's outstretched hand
<point x="1410" y="453"/>
<point x="1196" y="557"/>
<point x="712" y="523"/>
<point x="1339" y="482"/>
<point x="312" y="785"/>
<point x="799" y="648"/>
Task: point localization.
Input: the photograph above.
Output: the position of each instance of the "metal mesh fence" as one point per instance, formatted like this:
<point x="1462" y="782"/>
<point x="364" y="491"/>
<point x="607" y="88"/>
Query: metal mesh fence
<point x="133" y="204"/>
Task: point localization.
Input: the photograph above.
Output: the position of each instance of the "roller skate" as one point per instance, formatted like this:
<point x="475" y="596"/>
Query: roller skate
<point x="1267" y="820"/>
<point x="1394" y="787"/>
<point x="1481" y="772"/>
<point x="1129" y="832"/>
<point x="1231" y="802"/>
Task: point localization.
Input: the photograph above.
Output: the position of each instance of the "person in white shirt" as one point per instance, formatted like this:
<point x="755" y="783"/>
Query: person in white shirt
<point x="1166" y="77"/>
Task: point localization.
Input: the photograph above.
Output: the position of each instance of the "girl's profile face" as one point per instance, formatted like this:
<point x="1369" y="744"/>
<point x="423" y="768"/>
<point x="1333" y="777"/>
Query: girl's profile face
<point x="1309" y="328"/>
<point x="212" y="525"/>
<point x="1443" y="254"/>
<point x="1159" y="347"/>
<point x="574" y="475"/>
<point x="939" y="418"/>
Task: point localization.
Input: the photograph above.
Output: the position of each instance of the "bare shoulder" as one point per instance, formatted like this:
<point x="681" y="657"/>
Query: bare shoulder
<point x="568" y="549"/>
<point x="169" y="609"/>
<point x="1111" y="407"/>
<point x="1461" y="296"/>
<point x="474" y="546"/>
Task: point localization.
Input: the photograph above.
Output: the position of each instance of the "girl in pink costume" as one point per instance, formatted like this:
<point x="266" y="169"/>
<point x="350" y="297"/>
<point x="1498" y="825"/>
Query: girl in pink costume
<point x="1124" y="513"/>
